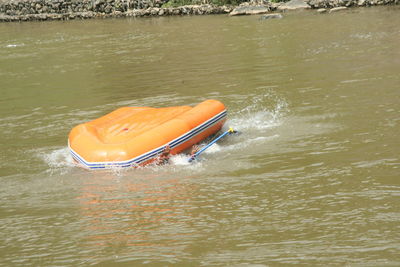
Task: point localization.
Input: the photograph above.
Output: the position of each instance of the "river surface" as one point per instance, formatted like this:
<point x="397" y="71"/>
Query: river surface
<point x="314" y="178"/>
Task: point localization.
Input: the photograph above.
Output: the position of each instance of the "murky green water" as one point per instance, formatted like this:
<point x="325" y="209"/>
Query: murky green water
<point x="312" y="180"/>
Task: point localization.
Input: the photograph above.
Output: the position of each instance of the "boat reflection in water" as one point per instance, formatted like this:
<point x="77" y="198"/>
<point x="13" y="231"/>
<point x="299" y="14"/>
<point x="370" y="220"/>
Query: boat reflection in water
<point x="136" y="215"/>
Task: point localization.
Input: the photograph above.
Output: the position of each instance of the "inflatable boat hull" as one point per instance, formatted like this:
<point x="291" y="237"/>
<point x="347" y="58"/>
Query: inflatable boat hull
<point x="135" y="136"/>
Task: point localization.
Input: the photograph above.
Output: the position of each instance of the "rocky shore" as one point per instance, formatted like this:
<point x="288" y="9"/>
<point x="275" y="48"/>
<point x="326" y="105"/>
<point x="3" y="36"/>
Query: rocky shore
<point x="27" y="10"/>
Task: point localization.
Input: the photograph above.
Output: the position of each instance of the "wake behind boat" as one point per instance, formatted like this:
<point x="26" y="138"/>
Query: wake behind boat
<point x="135" y="136"/>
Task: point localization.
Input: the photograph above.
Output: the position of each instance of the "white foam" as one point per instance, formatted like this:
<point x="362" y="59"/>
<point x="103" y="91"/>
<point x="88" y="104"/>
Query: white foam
<point x="180" y="160"/>
<point x="14" y="45"/>
<point x="59" y="158"/>
<point x="214" y="148"/>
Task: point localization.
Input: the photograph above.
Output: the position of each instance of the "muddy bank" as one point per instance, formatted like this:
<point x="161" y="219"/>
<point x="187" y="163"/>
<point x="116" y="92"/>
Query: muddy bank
<point x="27" y="10"/>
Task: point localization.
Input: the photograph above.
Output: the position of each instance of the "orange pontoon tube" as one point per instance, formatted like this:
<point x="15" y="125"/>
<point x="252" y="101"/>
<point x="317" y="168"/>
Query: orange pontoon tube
<point x="134" y="136"/>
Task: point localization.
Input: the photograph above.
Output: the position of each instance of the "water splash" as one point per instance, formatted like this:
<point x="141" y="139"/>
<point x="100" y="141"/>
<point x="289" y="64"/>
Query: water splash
<point x="254" y="116"/>
<point x="180" y="160"/>
<point x="263" y="109"/>
<point x="58" y="158"/>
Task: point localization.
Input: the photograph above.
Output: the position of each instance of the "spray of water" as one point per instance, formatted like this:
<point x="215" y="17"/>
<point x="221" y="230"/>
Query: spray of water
<point x="59" y="158"/>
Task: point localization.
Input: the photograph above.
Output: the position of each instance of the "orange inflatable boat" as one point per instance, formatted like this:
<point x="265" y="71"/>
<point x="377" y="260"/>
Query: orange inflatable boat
<point x="134" y="136"/>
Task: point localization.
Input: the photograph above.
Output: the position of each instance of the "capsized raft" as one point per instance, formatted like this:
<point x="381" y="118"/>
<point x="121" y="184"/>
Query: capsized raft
<point x="134" y="136"/>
